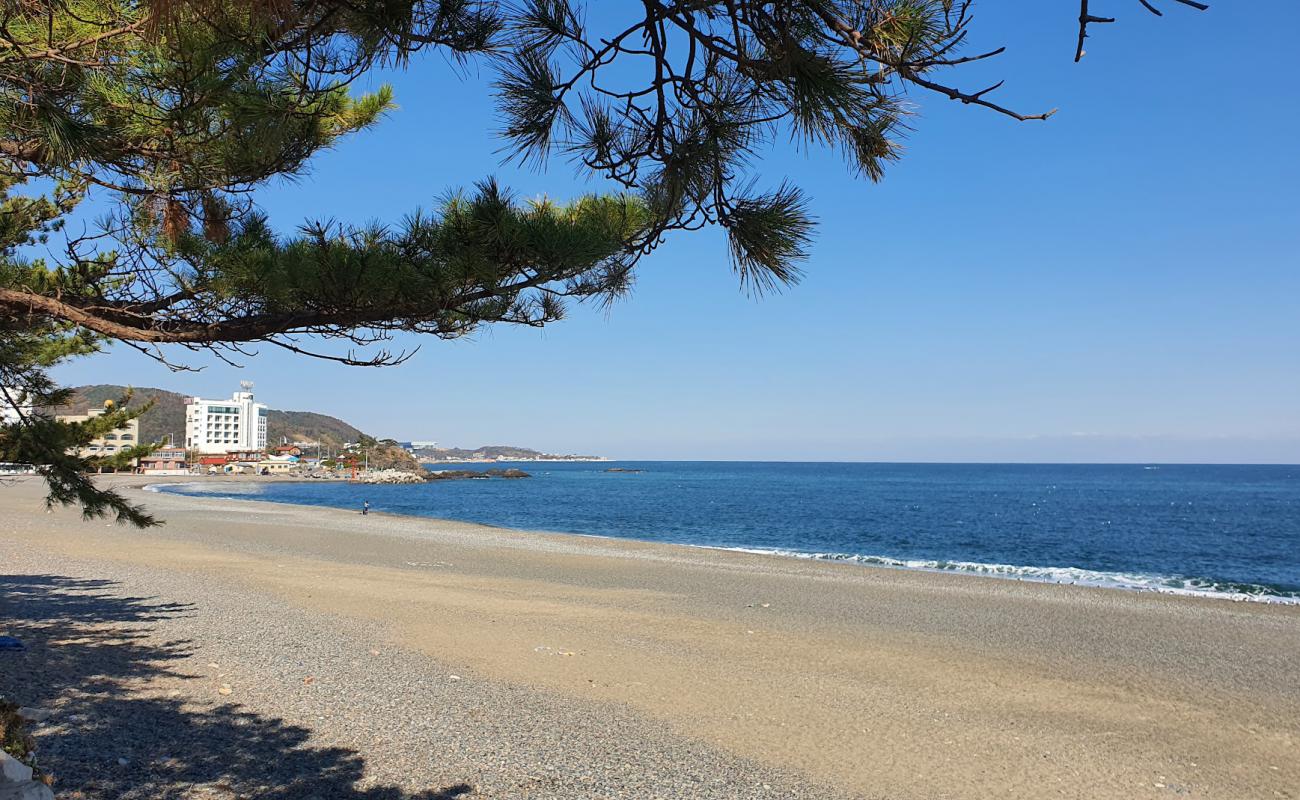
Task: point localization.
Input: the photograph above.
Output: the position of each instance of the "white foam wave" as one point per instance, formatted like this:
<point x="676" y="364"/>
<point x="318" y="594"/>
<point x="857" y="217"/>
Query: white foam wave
<point x="204" y="488"/>
<point x="1164" y="584"/>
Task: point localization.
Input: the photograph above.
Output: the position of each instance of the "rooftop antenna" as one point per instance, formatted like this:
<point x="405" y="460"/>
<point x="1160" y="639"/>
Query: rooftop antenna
<point x="246" y="386"/>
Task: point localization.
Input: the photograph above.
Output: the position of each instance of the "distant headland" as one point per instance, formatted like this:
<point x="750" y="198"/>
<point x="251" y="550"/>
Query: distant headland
<point x="492" y="453"/>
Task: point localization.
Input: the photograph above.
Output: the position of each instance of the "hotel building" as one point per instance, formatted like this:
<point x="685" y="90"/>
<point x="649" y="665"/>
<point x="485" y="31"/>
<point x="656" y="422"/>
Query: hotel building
<point x="219" y="426"/>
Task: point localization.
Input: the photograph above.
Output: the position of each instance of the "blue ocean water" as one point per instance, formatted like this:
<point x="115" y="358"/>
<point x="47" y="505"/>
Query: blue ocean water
<point x="1200" y="529"/>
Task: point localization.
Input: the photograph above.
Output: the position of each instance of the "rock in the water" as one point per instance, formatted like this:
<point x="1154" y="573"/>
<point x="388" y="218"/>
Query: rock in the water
<point x="470" y="474"/>
<point x="508" y="473"/>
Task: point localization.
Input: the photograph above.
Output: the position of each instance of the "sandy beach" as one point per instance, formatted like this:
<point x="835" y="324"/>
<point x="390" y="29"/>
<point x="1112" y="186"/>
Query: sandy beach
<point x="257" y="650"/>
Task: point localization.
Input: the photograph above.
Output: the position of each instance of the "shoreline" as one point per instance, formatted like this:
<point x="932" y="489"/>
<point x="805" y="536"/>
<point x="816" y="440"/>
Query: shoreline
<point x="863" y="682"/>
<point x="1055" y="575"/>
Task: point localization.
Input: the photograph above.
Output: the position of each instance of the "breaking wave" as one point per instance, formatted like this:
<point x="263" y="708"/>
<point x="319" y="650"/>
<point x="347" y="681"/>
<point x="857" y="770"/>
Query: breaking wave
<point x="198" y="489"/>
<point x="1164" y="584"/>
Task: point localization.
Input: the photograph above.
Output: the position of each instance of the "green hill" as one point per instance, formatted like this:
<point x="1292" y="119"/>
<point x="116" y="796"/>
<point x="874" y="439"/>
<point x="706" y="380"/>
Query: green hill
<point x="168" y="416"/>
<point x="297" y="426"/>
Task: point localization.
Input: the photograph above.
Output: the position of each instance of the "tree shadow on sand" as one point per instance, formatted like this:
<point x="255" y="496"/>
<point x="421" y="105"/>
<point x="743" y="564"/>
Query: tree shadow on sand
<point x="90" y="656"/>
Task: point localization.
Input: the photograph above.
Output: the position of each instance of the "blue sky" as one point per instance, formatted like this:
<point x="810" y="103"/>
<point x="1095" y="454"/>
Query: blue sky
<point x="1117" y="284"/>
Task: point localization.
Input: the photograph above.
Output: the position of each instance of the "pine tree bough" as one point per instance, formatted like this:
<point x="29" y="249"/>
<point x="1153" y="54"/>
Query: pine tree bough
<point x="176" y="112"/>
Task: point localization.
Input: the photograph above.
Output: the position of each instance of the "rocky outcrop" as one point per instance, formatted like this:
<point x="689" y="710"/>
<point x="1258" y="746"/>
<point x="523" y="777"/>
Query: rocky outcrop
<point x="471" y="474"/>
<point x="406" y="476"/>
<point x="390" y="476"/>
<point x="508" y="473"/>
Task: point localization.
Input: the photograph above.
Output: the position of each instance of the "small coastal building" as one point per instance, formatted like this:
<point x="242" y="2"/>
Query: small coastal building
<point x="165" y="461"/>
<point x="219" y="426"/>
<point x="288" y="450"/>
<point x="244" y="456"/>
<point x="212" y="464"/>
<point x="278" y="465"/>
<point x="110" y="443"/>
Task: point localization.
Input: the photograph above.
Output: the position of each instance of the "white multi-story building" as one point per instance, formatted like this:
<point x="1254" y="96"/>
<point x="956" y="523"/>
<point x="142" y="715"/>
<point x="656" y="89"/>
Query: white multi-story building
<point x="11" y="414"/>
<point x="219" y="426"/>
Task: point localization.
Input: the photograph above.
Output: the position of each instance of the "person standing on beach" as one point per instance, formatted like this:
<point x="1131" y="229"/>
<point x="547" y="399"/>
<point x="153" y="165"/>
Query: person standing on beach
<point x="365" y="507"/>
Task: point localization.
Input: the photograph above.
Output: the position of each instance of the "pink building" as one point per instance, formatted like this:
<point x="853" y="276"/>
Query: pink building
<point x="165" y="461"/>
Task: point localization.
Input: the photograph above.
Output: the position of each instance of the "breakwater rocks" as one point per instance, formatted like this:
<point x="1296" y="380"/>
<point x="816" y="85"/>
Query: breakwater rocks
<point x="470" y="474"/>
<point x="393" y="476"/>
<point x="390" y="476"/>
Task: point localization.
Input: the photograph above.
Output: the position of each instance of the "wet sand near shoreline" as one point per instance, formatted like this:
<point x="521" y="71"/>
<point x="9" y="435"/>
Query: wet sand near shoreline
<point x="838" y="678"/>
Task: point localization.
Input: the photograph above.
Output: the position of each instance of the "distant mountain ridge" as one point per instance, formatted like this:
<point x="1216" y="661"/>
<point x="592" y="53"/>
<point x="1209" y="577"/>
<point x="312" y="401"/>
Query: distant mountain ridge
<point x="168" y="416"/>
<point x="494" y="452"/>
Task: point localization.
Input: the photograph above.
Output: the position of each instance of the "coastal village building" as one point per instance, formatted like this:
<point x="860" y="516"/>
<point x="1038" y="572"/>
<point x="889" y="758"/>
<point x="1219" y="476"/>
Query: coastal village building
<point x="122" y="438"/>
<point x="278" y="465"/>
<point x="165" y="461"/>
<point x="220" y="426"/>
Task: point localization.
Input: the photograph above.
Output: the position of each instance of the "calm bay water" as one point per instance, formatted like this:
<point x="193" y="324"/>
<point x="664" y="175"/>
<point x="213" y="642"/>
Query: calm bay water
<point x="1224" y="530"/>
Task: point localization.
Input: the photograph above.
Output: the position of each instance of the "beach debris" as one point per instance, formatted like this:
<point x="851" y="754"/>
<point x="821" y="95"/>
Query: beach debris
<point x="308" y="681"/>
<point x="214" y="665"/>
<point x="224" y="689"/>
<point x="453" y="678"/>
<point x="122" y="762"/>
<point x="544" y="650"/>
<point x="11" y="643"/>
<point x="374" y="652"/>
<point x="765" y="605"/>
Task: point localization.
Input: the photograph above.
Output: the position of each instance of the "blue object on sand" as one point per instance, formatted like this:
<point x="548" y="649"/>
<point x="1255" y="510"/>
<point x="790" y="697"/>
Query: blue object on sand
<point x="10" y="643"/>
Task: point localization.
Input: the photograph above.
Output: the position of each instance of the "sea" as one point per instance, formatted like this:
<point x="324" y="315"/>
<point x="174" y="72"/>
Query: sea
<point x="1221" y="531"/>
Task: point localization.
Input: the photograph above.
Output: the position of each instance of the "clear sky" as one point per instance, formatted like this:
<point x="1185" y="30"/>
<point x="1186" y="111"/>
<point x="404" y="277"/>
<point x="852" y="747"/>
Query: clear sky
<point x="1117" y="284"/>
